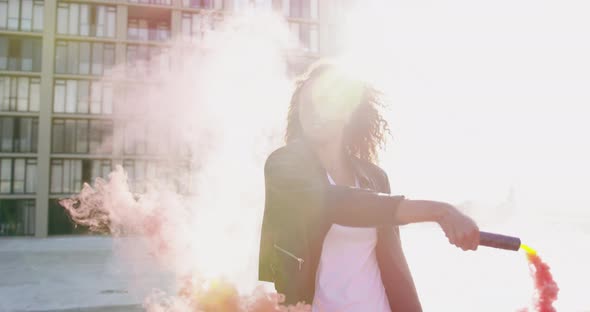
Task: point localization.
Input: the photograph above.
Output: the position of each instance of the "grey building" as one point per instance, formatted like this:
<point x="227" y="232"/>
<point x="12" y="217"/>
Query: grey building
<point x="56" y="110"/>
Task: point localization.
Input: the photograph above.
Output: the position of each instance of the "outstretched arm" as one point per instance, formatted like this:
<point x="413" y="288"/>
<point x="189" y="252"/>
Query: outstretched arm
<point x="459" y="228"/>
<point x="289" y="188"/>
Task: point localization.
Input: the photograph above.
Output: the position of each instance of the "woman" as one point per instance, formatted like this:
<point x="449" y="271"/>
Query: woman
<point x="330" y="232"/>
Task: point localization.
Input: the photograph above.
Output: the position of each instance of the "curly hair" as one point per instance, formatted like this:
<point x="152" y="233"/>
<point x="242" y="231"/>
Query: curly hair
<point x="365" y="132"/>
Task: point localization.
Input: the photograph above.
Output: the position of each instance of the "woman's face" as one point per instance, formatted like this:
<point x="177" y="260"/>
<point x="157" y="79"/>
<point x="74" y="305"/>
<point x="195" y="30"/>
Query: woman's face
<point x="327" y="102"/>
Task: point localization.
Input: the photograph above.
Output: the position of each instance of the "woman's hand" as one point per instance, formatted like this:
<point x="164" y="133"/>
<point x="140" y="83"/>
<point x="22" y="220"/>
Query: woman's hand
<point x="460" y="229"/>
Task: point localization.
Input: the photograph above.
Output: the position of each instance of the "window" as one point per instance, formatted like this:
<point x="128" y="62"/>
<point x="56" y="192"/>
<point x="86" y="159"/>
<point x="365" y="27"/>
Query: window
<point x="307" y="34"/>
<point x="22" y="54"/>
<point x="160" y="2"/>
<point x="26" y="20"/>
<point x="68" y="175"/>
<point x="206" y="4"/>
<point x="83" y="97"/>
<point x="195" y="25"/>
<point x="147" y="60"/>
<point x="306" y="9"/>
<point x="18" y="134"/>
<point x="100" y="169"/>
<point x="19" y="94"/>
<point x="141" y="172"/>
<point x="140" y="137"/>
<point x="84" y="65"/>
<point x="82" y="136"/>
<point x="138" y="171"/>
<point x="133" y="140"/>
<point x="18" y="175"/>
<point x="109" y="58"/>
<point x="13" y="18"/>
<point x="17" y="217"/>
<point x="23" y="15"/>
<point x="135" y="143"/>
<point x="95" y="58"/>
<point x="240" y="5"/>
<point x="303" y="9"/>
<point x="145" y="29"/>
<point x="81" y="19"/>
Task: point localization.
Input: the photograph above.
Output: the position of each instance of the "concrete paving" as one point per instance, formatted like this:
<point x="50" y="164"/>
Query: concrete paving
<point x="79" y="273"/>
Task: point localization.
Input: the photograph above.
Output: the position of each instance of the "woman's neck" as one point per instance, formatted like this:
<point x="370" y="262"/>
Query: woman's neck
<point x="332" y="157"/>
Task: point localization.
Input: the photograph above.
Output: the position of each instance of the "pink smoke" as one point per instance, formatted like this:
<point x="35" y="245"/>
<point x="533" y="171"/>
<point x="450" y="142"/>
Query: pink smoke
<point x="110" y="207"/>
<point x="546" y="288"/>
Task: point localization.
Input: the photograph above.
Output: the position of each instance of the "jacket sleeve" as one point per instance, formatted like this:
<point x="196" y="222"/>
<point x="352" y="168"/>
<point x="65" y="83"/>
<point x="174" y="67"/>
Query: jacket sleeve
<point x="288" y="182"/>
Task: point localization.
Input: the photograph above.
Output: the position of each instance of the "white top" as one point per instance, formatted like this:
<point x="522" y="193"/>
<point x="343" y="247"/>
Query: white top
<point x="348" y="277"/>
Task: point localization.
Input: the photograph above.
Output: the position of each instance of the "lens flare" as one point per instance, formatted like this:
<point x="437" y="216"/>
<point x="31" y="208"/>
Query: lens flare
<point x="546" y="288"/>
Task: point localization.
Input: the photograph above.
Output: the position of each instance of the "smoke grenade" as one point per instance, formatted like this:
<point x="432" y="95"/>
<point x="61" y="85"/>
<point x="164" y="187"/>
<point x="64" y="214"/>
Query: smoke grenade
<point x="499" y="241"/>
<point x="546" y="288"/>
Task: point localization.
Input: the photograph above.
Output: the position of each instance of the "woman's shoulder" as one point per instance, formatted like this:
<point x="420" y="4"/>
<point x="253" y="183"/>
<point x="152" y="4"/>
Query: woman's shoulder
<point x="291" y="155"/>
<point x="293" y="165"/>
<point x="288" y="152"/>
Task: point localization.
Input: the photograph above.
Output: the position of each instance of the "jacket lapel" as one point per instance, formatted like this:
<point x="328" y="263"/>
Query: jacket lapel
<point x="365" y="180"/>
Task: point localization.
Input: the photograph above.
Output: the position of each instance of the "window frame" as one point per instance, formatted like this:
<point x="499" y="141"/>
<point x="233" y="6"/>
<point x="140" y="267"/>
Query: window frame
<point x="9" y="179"/>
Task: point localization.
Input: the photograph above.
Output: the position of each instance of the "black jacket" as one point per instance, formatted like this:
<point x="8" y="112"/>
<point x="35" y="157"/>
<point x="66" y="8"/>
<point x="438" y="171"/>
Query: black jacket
<point x="300" y="207"/>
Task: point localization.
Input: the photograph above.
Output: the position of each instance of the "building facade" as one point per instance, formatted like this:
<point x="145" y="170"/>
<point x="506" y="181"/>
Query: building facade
<point x="58" y="124"/>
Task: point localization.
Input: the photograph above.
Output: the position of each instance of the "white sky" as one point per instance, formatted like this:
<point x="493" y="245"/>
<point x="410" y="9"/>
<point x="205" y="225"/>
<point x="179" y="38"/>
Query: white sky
<point x="485" y="96"/>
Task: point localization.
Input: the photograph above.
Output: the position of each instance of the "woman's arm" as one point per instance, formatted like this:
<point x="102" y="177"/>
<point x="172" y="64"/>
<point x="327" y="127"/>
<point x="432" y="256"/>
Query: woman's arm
<point x="414" y="211"/>
<point x="459" y="228"/>
<point x="290" y="186"/>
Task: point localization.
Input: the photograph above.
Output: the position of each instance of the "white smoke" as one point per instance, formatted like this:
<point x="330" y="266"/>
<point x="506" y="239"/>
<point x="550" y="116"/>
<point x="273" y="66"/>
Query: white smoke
<point x="213" y="120"/>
